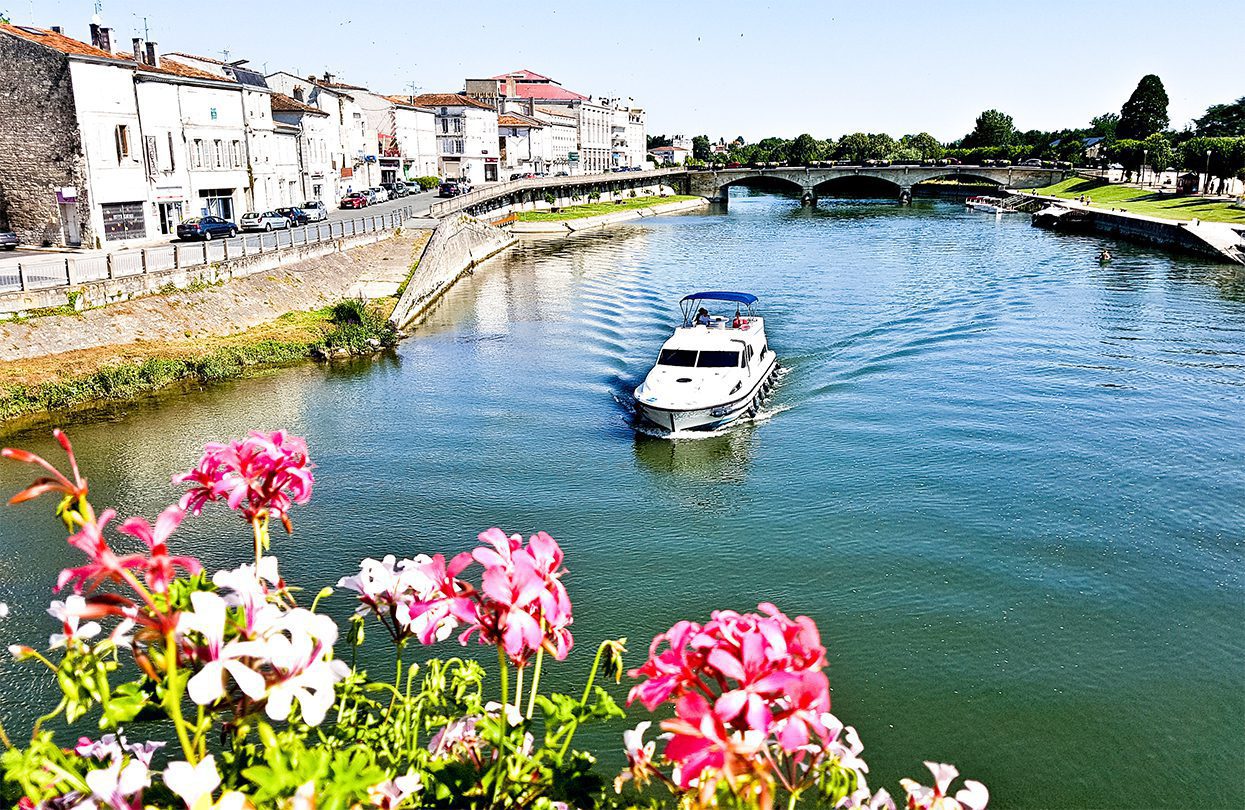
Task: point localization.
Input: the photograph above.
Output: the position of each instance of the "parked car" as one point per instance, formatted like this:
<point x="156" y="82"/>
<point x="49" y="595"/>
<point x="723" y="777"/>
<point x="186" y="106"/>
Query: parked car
<point x="8" y="240"/>
<point x="381" y="194"/>
<point x="316" y="211"/>
<point x="413" y="188"/>
<point x="452" y="188"/>
<point x="394" y="190"/>
<point x="296" y="216"/>
<point x="1032" y="162"/>
<point x="355" y="199"/>
<point x="372" y="196"/>
<point x="206" y="228"/>
<point x="263" y="222"/>
<point x="563" y="174"/>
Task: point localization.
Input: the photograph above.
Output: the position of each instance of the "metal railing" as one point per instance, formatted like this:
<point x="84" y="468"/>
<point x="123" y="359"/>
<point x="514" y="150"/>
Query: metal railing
<point x="45" y="272"/>
<point x="495" y="190"/>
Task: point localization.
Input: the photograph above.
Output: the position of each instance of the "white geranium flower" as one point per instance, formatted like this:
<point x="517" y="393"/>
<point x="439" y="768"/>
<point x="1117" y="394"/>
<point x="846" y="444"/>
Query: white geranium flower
<point x="208" y="620"/>
<point x="69" y="613"/>
<point x="192" y="782"/>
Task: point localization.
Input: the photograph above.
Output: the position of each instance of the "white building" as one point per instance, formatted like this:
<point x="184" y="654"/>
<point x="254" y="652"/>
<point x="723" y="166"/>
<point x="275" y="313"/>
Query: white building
<point x="414" y="132"/>
<point x="131" y="143"/>
<point x="561" y="136"/>
<point x="267" y="186"/>
<point x="628" y="138"/>
<point x="315" y="133"/>
<point x="348" y="145"/>
<point x="466" y="131"/>
<point x="524" y="144"/>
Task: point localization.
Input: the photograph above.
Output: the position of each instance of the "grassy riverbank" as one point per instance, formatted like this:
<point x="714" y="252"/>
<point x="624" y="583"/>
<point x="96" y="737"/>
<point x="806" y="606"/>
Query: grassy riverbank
<point x="1145" y="201"/>
<point x="596" y="209"/>
<point x="114" y="373"/>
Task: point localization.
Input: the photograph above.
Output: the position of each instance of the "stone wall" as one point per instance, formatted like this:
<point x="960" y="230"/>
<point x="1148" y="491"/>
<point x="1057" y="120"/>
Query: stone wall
<point x="457" y="245"/>
<point x="226" y="309"/>
<point x="40" y="145"/>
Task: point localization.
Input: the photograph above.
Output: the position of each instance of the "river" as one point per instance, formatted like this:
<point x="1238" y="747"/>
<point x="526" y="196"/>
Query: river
<point x="1006" y="481"/>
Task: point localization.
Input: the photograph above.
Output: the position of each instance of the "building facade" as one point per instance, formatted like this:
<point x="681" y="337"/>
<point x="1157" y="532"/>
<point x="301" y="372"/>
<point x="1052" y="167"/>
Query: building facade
<point x="314" y="133"/>
<point x="112" y="146"/>
<point x="466" y="132"/>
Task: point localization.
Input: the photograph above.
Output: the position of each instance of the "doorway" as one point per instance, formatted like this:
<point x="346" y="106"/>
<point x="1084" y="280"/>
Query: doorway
<point x="71" y="229"/>
<point x="170" y="216"/>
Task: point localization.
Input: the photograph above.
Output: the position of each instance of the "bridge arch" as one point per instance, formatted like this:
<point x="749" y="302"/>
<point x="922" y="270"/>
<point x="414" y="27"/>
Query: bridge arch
<point x="862" y="185"/>
<point x="964" y="177"/>
<point x="764" y="182"/>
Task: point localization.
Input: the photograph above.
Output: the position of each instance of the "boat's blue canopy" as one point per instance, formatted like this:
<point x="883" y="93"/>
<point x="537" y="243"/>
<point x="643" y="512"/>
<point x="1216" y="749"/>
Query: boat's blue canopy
<point x="747" y="299"/>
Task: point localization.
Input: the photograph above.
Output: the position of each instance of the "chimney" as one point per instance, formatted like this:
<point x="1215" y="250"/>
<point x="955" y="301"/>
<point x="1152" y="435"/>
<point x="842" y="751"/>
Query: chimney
<point x="96" y="35"/>
<point x="328" y="77"/>
<point x="531" y="107"/>
<point x="153" y="58"/>
<point x="56" y="29"/>
<point x="105" y="39"/>
<point x="510" y="87"/>
<point x="138" y="49"/>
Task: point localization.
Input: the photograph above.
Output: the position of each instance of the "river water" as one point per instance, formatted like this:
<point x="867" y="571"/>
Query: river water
<point x="1006" y="481"/>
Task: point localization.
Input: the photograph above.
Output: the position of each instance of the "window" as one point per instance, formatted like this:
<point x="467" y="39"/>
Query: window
<point x="172" y="164"/>
<point x="236" y="151"/>
<point x="677" y="357"/>
<point x="298" y="94"/>
<point x="718" y="359"/>
<point x="122" y="134"/>
<point x="197" y="155"/>
<point x="458" y="147"/>
<point x="218" y="154"/>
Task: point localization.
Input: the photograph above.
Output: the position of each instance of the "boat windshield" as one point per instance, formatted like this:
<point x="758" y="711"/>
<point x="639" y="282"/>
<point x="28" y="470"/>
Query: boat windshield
<point x="677" y="357"/>
<point x="718" y="359"/>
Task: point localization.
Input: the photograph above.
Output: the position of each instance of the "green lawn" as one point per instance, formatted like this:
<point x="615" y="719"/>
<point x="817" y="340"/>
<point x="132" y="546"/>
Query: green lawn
<point x="596" y="209"/>
<point x="1146" y="201"/>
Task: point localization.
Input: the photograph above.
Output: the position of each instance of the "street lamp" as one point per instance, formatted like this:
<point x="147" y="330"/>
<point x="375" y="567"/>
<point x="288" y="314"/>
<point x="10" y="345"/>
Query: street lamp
<point x="1207" y="188"/>
<point x="1144" y="157"/>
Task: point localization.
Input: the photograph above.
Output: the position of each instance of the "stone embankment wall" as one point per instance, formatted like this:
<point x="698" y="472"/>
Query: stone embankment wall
<point x="226" y="309"/>
<point x="569" y="226"/>
<point x="458" y="244"/>
<point x="1215" y="240"/>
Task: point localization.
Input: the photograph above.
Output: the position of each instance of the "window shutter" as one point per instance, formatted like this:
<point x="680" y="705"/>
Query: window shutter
<point x="117" y="134"/>
<point x="153" y="156"/>
<point x="172" y="154"/>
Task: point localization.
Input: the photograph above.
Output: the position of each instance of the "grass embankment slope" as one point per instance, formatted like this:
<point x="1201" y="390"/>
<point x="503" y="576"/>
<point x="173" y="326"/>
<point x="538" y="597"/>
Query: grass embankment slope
<point x="596" y="209"/>
<point x="1145" y="201"/>
<point x="113" y="373"/>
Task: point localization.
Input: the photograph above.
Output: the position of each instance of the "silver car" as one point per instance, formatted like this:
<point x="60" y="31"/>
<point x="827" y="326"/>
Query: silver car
<point x="267" y="221"/>
<point x="315" y="211"/>
<point x="381" y="194"/>
<point x="8" y="240"/>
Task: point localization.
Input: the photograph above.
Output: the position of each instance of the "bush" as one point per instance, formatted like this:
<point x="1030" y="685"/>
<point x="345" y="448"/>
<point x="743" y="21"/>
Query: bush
<point x="549" y="198"/>
<point x="428" y="182"/>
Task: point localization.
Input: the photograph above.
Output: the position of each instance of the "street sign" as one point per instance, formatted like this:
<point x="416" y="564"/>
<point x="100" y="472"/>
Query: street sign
<point x="573" y="157"/>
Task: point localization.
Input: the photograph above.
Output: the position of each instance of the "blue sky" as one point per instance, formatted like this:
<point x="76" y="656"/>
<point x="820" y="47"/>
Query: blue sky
<point x="735" y="68"/>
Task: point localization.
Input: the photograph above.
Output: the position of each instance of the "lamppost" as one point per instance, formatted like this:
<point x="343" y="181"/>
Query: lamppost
<point x="1144" y="156"/>
<point x="1206" y="190"/>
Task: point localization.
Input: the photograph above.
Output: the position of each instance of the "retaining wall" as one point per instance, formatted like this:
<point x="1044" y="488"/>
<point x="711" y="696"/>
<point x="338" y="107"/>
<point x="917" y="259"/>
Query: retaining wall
<point x="458" y="244"/>
<point x="568" y="226"/>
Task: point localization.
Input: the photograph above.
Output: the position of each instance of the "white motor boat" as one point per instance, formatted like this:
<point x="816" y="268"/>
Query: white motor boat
<point x="713" y="370"/>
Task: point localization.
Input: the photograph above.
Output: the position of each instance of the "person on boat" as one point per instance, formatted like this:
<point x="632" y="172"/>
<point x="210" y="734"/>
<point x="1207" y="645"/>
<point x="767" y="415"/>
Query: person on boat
<point x="739" y="320"/>
<point x="1104" y="256"/>
<point x="702" y="317"/>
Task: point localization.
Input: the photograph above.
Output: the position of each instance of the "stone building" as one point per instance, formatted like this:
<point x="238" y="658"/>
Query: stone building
<point x="90" y="153"/>
<point x="314" y="134"/>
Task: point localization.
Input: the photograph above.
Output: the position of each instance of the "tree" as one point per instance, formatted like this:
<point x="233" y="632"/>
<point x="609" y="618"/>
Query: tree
<point x="700" y="147"/>
<point x="925" y="145"/>
<point x="1223" y="120"/>
<point x="804" y="150"/>
<point x="881" y="146"/>
<point x="1145" y="112"/>
<point x="854" y="147"/>
<point x="993" y="128"/>
<point x="655" y="141"/>
<point x="1104" y="125"/>
<point x="1160" y="153"/>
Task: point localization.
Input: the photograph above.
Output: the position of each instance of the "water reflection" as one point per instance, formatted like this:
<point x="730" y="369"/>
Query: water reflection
<point x="721" y="458"/>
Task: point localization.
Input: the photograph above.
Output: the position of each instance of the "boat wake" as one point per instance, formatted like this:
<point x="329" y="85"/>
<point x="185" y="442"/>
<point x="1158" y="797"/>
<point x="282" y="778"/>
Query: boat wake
<point x="766" y="411"/>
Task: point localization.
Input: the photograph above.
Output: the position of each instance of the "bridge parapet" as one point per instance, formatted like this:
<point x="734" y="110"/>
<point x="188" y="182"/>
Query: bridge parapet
<point x="498" y="195"/>
<point x="715" y="184"/>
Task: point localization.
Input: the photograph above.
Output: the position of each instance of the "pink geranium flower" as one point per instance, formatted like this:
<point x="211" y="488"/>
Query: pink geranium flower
<point x="160" y="565"/>
<point x="262" y="475"/>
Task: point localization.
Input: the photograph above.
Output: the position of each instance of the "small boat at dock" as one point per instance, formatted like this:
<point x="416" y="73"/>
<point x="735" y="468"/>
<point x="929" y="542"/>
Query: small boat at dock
<point x="714" y="369"/>
<point x="990" y="205"/>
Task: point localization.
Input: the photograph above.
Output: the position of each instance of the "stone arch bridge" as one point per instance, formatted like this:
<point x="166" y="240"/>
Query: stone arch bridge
<point x="812" y="182"/>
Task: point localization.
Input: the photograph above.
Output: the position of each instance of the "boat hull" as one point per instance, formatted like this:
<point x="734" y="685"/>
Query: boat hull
<point x="678" y="420"/>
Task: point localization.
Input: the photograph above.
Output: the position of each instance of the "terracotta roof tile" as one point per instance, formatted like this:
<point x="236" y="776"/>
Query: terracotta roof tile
<point x="283" y="103"/>
<point x="59" y="42"/>
<point x="523" y="75"/>
<point x="512" y="120"/>
<point x="449" y="100"/>
<point x="549" y="92"/>
<point x="185" y="71"/>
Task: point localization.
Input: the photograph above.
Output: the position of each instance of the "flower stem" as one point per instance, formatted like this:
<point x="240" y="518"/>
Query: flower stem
<point x="531" y="697"/>
<point x="518" y="690"/>
<point x="505" y="676"/>
<point x="583" y="701"/>
<point x="173" y="697"/>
